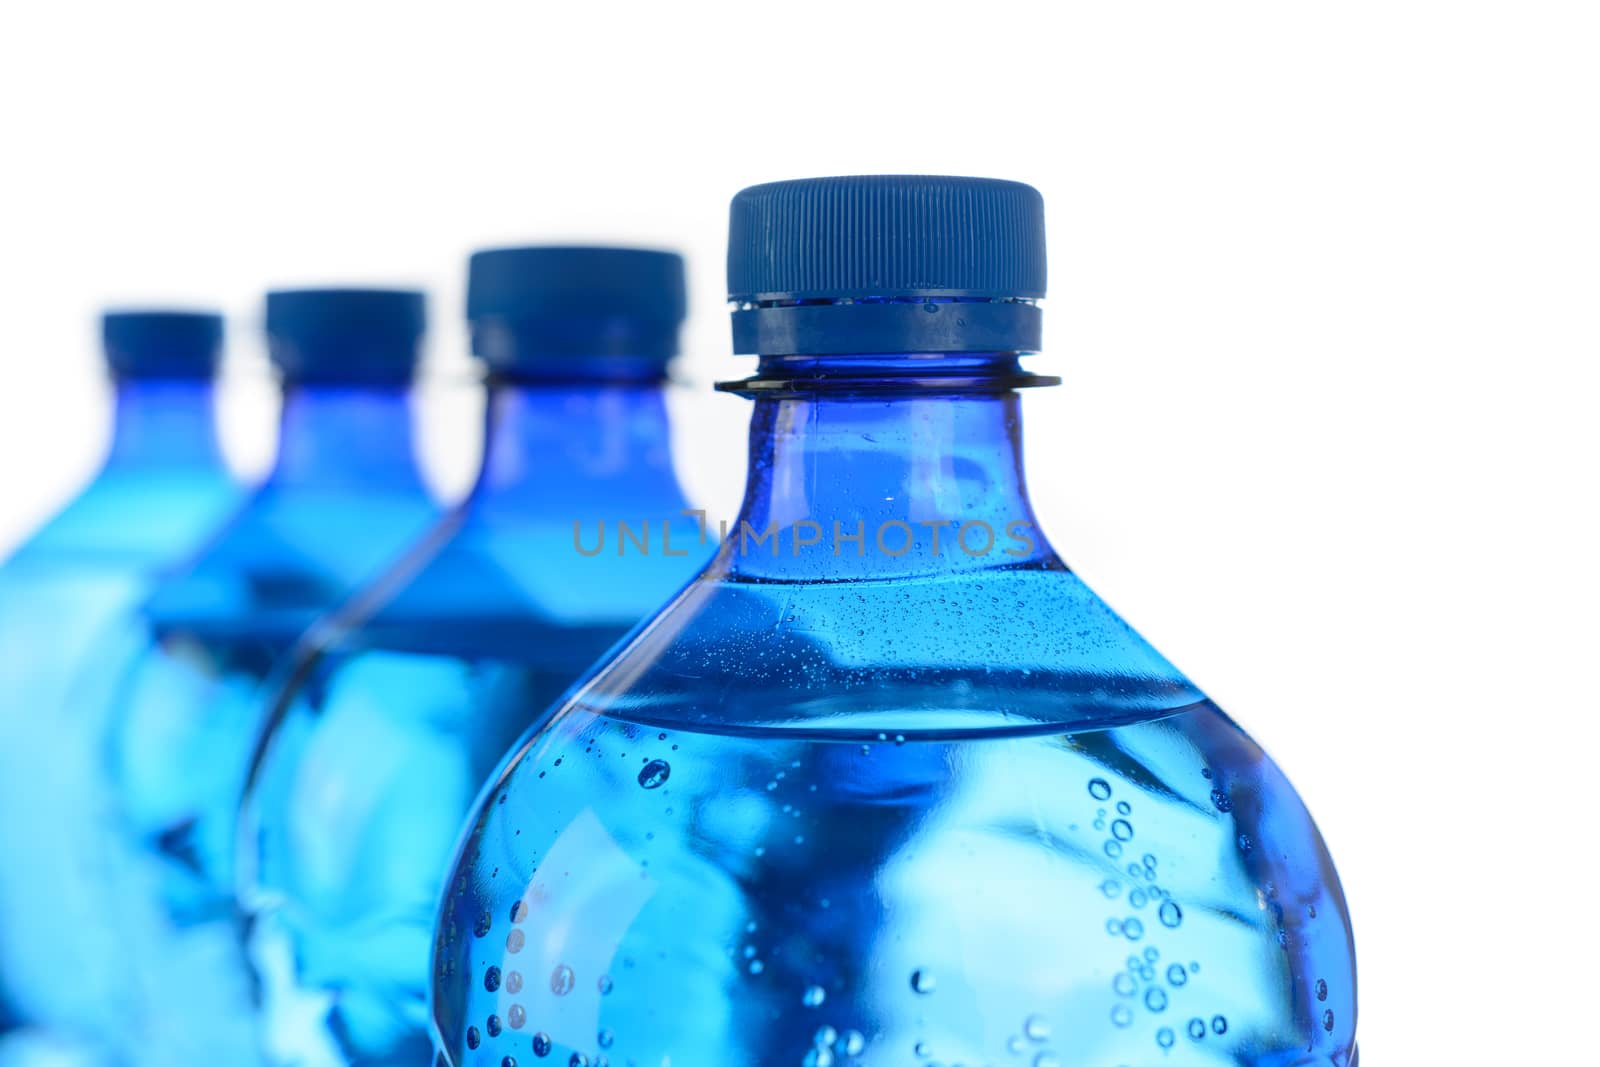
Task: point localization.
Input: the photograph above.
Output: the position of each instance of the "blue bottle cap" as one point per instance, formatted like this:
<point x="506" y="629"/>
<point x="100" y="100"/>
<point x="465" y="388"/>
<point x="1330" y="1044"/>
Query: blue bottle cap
<point x="162" y="344"/>
<point x="534" y="305"/>
<point x="345" y="336"/>
<point x="886" y="263"/>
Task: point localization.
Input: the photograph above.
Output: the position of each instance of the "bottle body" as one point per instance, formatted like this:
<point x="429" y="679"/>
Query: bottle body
<point x="65" y="598"/>
<point x="870" y="796"/>
<point x="189" y="689"/>
<point x="399" y="710"/>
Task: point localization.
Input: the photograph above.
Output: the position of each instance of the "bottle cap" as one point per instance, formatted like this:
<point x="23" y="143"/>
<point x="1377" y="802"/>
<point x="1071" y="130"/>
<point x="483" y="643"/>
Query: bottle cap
<point x="345" y="336"/>
<point x="162" y="344"/>
<point x="886" y="263"/>
<point x="534" y="305"/>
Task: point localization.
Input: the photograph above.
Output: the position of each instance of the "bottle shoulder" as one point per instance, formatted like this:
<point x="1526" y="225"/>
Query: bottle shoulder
<point x="1015" y="647"/>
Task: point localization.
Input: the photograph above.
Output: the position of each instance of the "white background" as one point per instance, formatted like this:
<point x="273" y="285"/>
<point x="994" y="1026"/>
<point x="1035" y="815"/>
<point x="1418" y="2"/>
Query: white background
<point x="1325" y="291"/>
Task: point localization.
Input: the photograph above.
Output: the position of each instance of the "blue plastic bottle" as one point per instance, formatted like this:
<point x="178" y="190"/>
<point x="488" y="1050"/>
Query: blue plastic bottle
<point x="343" y="500"/>
<point x="888" y="784"/>
<point x="162" y="488"/>
<point x="400" y="708"/>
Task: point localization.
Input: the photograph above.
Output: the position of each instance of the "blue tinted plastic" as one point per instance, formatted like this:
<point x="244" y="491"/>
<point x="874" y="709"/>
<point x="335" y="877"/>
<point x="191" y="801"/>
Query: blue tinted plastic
<point x="400" y="709"/>
<point x="889" y="784"/>
<point x="161" y="491"/>
<point x="190" y="684"/>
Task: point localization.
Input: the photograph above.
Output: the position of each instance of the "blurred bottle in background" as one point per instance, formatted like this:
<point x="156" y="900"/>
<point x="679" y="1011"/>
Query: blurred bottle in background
<point x="342" y="501"/>
<point x="161" y="490"/>
<point x="888" y="783"/>
<point x="400" y="706"/>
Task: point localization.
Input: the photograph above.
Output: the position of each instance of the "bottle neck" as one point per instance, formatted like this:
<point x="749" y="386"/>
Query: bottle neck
<point x="578" y="451"/>
<point x="340" y="436"/>
<point x="163" y="425"/>
<point x="887" y="466"/>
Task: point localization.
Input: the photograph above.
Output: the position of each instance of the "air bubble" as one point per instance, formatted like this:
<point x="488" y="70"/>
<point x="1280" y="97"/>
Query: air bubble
<point x="1155" y="998"/>
<point x="1176" y="975"/>
<point x="1137" y="898"/>
<point x="519" y="911"/>
<point x="492" y="1024"/>
<point x="825" y="1036"/>
<point x="1121" y="1016"/>
<point x="1322" y="989"/>
<point x="509" y="1061"/>
<point x="1046" y="1059"/>
<point x="756" y="967"/>
<point x="1113" y="848"/>
<point x="923" y="981"/>
<point x="1124" y="808"/>
<point x="514" y="941"/>
<point x="654" y="773"/>
<point x="605" y="1038"/>
<point x="473" y="1040"/>
<point x="1111" y="888"/>
<point x="814" y="996"/>
<point x="1222" y="801"/>
<point x="491" y="979"/>
<point x="578" y="1060"/>
<point x="1171" y="915"/>
<point x="1100" y="789"/>
<point x="1197" y="1028"/>
<point x="853" y="1043"/>
<point x="1132" y="928"/>
<point x="604" y="984"/>
<point x="1037" y="1028"/>
<point x="561" y="980"/>
<point x="1327" y="1020"/>
<point x="517" y="1016"/>
<point x="541" y="1044"/>
<point x="1122" y="830"/>
<point x="481" y="927"/>
<point x="1219" y="1024"/>
<point x="1124" y="985"/>
<point x="513" y="981"/>
<point x="1165" y="1037"/>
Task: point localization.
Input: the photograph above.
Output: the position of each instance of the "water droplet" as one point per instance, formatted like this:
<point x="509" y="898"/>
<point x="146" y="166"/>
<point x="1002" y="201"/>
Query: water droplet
<point x="1124" y="985"/>
<point x="1100" y="789"/>
<point x="509" y="1061"/>
<point x="491" y="979"/>
<point x="814" y="996"/>
<point x="1132" y="928"/>
<point x="1165" y="1037"/>
<point x="1121" y="1016"/>
<point x="1122" y="830"/>
<point x="654" y="773"/>
<point x="541" y="1044"/>
<point x="1037" y="1028"/>
<point x="605" y="1037"/>
<point x="519" y="911"/>
<point x="818" y="1057"/>
<point x="1327" y="1020"/>
<point x="1221" y="800"/>
<point x="1155" y="998"/>
<point x="853" y="1043"/>
<point x="923" y="981"/>
<point x="473" y="1039"/>
<point x="1171" y="914"/>
<point x="1219" y="1024"/>
<point x="756" y="967"/>
<point x="1197" y="1028"/>
<point x="514" y="941"/>
<point x="825" y="1036"/>
<point x="517" y="1016"/>
<point x="492" y="1024"/>
<point x="578" y="1060"/>
<point x="1245" y="844"/>
<point x="561" y="980"/>
<point x="1176" y="975"/>
<point x="481" y="927"/>
<point x="604" y="984"/>
<point x="1322" y="989"/>
<point x="513" y="981"/>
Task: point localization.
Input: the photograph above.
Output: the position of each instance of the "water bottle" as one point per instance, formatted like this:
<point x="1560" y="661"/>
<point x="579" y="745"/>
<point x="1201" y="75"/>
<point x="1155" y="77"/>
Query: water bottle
<point x="161" y="489"/>
<point x="344" y="498"/>
<point x="888" y="784"/>
<point x="400" y="706"/>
